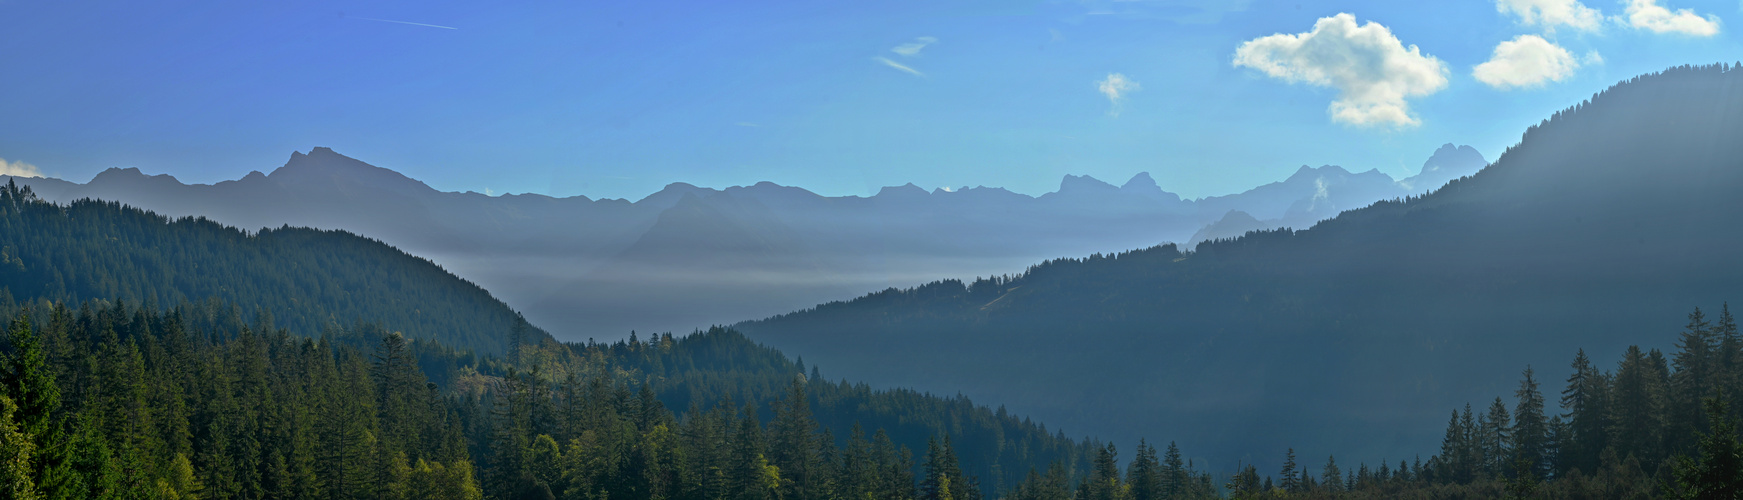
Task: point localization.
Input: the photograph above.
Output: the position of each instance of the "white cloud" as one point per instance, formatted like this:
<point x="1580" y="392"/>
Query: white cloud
<point x="1593" y="58"/>
<point x="1647" y="14"/>
<point x="1552" y="13"/>
<point x="899" y="66"/>
<point x="19" y="169"/>
<point x="912" y="49"/>
<point x="1526" y="61"/>
<point x="1373" y="72"/>
<point x="1115" y="87"/>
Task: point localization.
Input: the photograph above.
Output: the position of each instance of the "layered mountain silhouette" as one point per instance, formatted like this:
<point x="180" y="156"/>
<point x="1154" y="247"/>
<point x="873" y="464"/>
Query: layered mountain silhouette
<point x="1602" y="226"/>
<point x="687" y="257"/>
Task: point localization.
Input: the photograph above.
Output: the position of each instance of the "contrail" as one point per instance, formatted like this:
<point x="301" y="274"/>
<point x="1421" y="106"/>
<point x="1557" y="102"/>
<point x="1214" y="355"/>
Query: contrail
<point x="403" y="22"/>
<point x="899" y="66"/>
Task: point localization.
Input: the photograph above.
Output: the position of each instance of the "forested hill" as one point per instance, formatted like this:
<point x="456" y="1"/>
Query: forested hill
<point x="306" y="279"/>
<point x="1606" y="219"/>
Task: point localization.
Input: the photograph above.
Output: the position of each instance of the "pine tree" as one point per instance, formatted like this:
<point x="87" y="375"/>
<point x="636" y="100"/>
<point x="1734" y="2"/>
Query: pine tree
<point x="1586" y="400"/>
<point x="1144" y="476"/>
<point x="1174" y="473"/>
<point x="1696" y="364"/>
<point x="1290" y="482"/>
<point x="1104" y="480"/>
<point x="1497" y="434"/>
<point x="1730" y="355"/>
<point x="1331" y="477"/>
<point x="794" y="443"/>
<point x="1719" y="471"/>
<point x="751" y="476"/>
<point x="1530" y="429"/>
<point x="29" y="382"/>
<point x="16" y="450"/>
<point x="1635" y="422"/>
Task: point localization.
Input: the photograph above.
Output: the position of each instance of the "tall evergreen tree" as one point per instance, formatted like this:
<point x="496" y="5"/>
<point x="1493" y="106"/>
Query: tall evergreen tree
<point x="1531" y="432"/>
<point x="1719" y="471"/>
<point x="1144" y="476"/>
<point x="1636" y="408"/>
<point x="1586" y="400"/>
<point x="1290" y="482"/>
<point x="1497" y="440"/>
<point x="1331" y="478"/>
<point x="1696" y="362"/>
<point x="794" y="444"/>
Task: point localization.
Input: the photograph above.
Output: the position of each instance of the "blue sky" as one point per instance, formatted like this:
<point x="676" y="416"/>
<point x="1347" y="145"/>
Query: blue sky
<point x="616" y="99"/>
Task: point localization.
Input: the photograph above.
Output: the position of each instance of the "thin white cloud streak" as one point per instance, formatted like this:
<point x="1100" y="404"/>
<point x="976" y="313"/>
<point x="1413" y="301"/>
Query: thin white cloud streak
<point x="409" y="23"/>
<point x="1649" y="15"/>
<point x="19" y="169"/>
<point x="912" y="49"/>
<point x="1116" y="86"/>
<point x="1550" y="14"/>
<point x="899" y="66"/>
<point x="1526" y="61"/>
<point x="1374" y="73"/>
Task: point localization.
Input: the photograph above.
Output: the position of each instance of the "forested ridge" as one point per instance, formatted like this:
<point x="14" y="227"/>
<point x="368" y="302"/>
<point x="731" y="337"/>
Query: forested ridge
<point x="1604" y="219"/>
<point x="308" y="279"/>
<point x="125" y="259"/>
<point x="110" y="401"/>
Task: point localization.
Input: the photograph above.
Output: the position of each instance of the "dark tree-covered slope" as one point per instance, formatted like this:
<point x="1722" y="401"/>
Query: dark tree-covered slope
<point x="1604" y="220"/>
<point x="307" y="279"/>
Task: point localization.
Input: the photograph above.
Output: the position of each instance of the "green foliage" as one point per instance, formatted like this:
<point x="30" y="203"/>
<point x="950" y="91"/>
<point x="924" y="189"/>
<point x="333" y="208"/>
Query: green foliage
<point x="307" y="279"/>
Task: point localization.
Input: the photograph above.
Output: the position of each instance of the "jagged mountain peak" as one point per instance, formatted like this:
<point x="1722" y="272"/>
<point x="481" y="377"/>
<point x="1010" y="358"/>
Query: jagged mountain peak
<point x="1076" y="184"/>
<point x="325" y="167"/>
<point x="905" y="190"/>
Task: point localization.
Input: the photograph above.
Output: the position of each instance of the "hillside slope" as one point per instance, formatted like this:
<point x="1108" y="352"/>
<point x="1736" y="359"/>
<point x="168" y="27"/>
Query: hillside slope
<point x="306" y="279"/>
<point x="1604" y="221"/>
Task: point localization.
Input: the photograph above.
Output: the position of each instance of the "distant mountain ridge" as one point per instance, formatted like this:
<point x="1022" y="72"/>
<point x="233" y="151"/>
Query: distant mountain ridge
<point x="1603" y="221"/>
<point x="686" y="257"/>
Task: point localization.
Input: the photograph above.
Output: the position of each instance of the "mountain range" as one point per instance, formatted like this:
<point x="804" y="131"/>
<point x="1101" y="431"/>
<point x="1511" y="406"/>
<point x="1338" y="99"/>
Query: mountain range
<point x="1357" y="336"/>
<point x="687" y="257"/>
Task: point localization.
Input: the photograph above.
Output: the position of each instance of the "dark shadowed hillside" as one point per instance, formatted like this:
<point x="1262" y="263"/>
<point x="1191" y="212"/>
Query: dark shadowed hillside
<point x="307" y="279"/>
<point x="1605" y="221"/>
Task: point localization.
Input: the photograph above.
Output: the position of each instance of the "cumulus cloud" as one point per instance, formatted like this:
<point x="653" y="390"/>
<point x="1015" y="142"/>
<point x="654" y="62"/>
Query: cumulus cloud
<point x="19" y="169"/>
<point x="1115" y="87"/>
<point x="1551" y="14"/>
<point x="1526" y="61"/>
<point x="1649" y="15"/>
<point x="912" y="49"/>
<point x="899" y="66"/>
<point x="1372" y="71"/>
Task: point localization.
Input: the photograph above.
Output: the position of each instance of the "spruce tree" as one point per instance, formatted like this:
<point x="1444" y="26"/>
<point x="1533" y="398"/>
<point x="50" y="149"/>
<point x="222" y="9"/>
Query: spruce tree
<point x="1290" y="482"/>
<point x="1174" y="474"/>
<point x="1331" y="478"/>
<point x="1144" y="476"/>
<point x="1497" y="441"/>
<point x="1586" y="400"/>
<point x="1696" y="362"/>
<point x="1635" y="422"/>
<point x="1530" y="429"/>
<point x="1718" y="473"/>
<point x="16" y="450"/>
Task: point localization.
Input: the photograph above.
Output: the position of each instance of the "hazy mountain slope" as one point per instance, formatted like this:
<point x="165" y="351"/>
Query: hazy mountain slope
<point x="307" y="279"/>
<point x="600" y="268"/>
<point x="1604" y="221"/>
